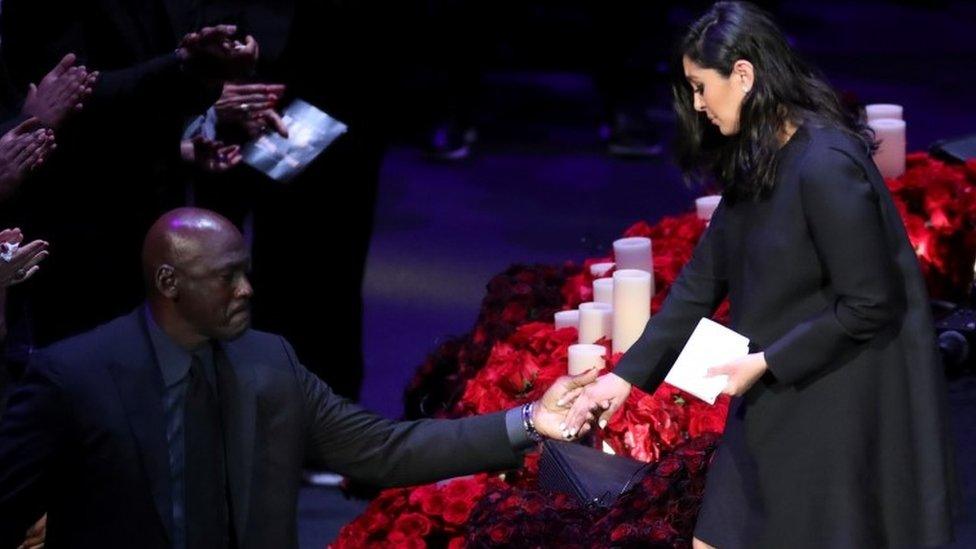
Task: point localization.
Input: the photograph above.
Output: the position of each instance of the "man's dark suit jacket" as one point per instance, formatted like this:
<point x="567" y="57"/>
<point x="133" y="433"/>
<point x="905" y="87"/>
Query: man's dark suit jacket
<point x="84" y="440"/>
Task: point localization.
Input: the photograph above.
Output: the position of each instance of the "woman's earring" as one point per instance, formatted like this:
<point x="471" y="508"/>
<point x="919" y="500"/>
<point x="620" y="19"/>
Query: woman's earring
<point x="745" y="89"/>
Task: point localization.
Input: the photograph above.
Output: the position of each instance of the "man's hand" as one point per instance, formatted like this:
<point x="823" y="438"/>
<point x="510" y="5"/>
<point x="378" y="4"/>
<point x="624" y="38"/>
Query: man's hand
<point x="606" y="395"/>
<point x="35" y="535"/>
<point x="61" y="92"/>
<point x="214" y="53"/>
<point x="238" y="101"/>
<point x="23" y="262"/>
<point x="213" y="156"/>
<point x="259" y="123"/>
<point x="251" y="107"/>
<point x="22" y="150"/>
<point x="549" y="412"/>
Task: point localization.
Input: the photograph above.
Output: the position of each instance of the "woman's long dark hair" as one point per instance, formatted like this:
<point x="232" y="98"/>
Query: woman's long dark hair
<point x="785" y="89"/>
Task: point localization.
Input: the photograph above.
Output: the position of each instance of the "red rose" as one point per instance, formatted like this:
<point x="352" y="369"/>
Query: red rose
<point x="639" y="443"/>
<point x="533" y="505"/>
<point x="456" y="543"/>
<point x="456" y="512"/>
<point x="669" y="467"/>
<point x="703" y="422"/>
<point x="375" y="521"/>
<point x="500" y="533"/>
<point x="686" y="506"/>
<point x="465" y="488"/>
<point x="526" y="334"/>
<point x="512" y="502"/>
<point x="430" y="500"/>
<point x="399" y="541"/>
<point x="623" y="532"/>
<point x="641" y="228"/>
<point x="694" y="460"/>
<point x="918" y="159"/>
<point x="412" y="525"/>
<point x="433" y="505"/>
<point x="573" y="291"/>
<point x="514" y="312"/>
<point x="661" y="531"/>
<point x="704" y="443"/>
<point x="564" y="338"/>
<point x="639" y="504"/>
<point x="654" y="486"/>
<point x="391" y="501"/>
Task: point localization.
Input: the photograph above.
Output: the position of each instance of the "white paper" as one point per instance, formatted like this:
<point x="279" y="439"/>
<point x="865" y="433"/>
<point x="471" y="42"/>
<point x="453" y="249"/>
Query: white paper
<point x="7" y="251"/>
<point x="711" y="344"/>
<point x="310" y="131"/>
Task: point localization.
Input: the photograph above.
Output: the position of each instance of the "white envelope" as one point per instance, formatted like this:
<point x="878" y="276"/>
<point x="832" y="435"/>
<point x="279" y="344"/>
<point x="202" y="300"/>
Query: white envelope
<point x="711" y="344"/>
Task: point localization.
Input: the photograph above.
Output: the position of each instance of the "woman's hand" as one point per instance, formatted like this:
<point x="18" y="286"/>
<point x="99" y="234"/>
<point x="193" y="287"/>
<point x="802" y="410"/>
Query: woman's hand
<point x="606" y="395"/>
<point x="743" y="373"/>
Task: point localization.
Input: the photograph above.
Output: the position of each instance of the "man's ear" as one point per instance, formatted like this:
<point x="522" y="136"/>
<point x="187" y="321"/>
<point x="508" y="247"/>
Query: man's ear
<point x="167" y="281"/>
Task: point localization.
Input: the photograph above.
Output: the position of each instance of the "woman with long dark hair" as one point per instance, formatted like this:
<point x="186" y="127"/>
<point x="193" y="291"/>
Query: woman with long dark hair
<point x="837" y="433"/>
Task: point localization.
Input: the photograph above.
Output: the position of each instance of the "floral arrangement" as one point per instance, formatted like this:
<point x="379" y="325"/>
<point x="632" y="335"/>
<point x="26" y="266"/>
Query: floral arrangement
<point x="514" y="353"/>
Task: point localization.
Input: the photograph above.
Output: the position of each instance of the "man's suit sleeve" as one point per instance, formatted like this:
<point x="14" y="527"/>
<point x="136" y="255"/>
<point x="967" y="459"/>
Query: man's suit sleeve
<point x="31" y="433"/>
<point x="354" y="442"/>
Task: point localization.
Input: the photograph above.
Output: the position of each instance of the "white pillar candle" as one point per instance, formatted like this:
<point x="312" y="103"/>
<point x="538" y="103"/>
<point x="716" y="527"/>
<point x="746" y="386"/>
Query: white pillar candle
<point x="603" y="290"/>
<point x="633" y="253"/>
<point x="705" y="206"/>
<point x="884" y="110"/>
<point x="600" y="270"/>
<point x="567" y="319"/>
<point x="583" y="357"/>
<point x="890" y="156"/>
<point x="595" y="322"/>
<point x="632" y="290"/>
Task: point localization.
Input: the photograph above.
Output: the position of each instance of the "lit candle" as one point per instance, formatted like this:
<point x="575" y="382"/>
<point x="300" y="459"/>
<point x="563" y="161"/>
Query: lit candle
<point x="632" y="291"/>
<point x="600" y="270"/>
<point x="890" y="156"/>
<point x="567" y="319"/>
<point x="884" y="110"/>
<point x="705" y="206"/>
<point x="595" y="322"/>
<point x="633" y="253"/>
<point x="603" y="290"/>
<point x="583" y="357"/>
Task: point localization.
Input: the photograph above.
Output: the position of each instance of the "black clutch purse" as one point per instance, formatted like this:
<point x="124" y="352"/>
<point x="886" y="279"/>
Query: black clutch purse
<point x="955" y="150"/>
<point x="596" y="479"/>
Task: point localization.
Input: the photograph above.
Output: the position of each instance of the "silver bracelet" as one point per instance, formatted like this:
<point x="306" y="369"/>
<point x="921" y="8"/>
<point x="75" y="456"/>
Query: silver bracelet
<point x="530" y="430"/>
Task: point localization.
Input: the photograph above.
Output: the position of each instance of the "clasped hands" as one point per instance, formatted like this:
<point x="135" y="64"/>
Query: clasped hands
<point x="571" y="407"/>
<point x="248" y="109"/>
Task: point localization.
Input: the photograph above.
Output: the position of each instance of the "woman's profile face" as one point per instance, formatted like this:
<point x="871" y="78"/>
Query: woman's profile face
<point x="719" y="97"/>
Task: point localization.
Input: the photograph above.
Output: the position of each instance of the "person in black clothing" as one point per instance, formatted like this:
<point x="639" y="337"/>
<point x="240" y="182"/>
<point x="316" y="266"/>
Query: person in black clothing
<point x="117" y="165"/>
<point x="837" y="435"/>
<point x="343" y="72"/>
<point x="178" y="426"/>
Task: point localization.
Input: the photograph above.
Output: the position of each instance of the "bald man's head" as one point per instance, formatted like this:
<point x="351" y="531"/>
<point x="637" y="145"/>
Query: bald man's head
<point x="195" y="266"/>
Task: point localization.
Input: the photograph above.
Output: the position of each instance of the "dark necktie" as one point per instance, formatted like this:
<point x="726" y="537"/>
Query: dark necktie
<point x="207" y="501"/>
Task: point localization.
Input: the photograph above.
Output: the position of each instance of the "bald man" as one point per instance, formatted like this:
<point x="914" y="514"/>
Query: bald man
<point x="178" y="426"/>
